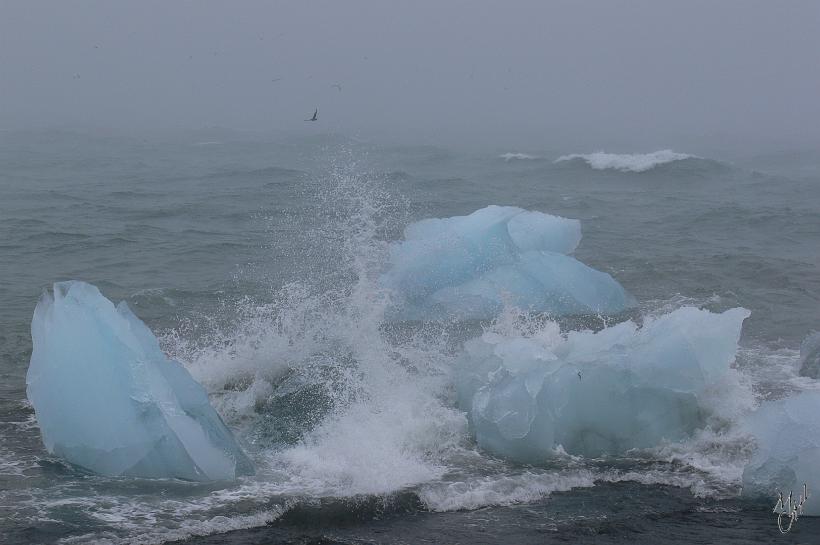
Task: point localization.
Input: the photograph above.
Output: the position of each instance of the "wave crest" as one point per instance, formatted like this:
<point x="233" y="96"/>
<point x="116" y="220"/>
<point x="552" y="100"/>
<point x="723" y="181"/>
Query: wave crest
<point x="627" y="162"/>
<point x="517" y="157"/>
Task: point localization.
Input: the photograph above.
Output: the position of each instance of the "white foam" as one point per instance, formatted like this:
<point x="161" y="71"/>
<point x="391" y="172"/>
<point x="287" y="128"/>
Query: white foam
<point x="627" y="162"/>
<point x="13" y="465"/>
<point x="139" y="526"/>
<point x="500" y="490"/>
<point x="517" y="157"/>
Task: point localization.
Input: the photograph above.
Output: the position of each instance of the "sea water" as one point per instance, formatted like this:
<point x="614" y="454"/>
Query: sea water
<point x="259" y="262"/>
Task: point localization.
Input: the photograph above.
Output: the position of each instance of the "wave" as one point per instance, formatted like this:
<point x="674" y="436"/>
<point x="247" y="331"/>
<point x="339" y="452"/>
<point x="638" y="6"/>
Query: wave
<point x="502" y="490"/>
<point x="627" y="162"/>
<point x="517" y="157"/>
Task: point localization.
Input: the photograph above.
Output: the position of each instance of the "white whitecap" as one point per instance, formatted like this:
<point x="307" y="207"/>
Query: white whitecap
<point x="510" y="156"/>
<point x="627" y="162"/>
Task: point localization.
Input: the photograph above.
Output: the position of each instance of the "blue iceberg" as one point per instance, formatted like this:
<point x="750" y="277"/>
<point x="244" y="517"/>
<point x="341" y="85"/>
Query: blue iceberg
<point x="107" y="398"/>
<point x="592" y="394"/>
<point x="470" y="267"/>
<point x="787" y="433"/>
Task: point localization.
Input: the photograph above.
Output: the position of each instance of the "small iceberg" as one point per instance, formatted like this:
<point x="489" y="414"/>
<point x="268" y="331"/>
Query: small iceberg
<point x="531" y="395"/>
<point x="470" y="267"/>
<point x="787" y="432"/>
<point x="107" y="398"/>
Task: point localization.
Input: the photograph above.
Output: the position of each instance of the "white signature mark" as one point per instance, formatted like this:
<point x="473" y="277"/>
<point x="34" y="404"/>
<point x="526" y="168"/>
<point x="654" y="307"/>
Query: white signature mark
<point x="789" y="509"/>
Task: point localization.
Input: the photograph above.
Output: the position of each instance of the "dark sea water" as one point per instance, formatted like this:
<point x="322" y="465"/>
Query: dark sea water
<point x="256" y="260"/>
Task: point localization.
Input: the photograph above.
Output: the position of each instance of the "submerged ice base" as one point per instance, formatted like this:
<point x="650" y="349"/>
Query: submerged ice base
<point x="598" y="393"/>
<point x="107" y="399"/>
<point x="809" y="364"/>
<point x="787" y="433"/>
<point x="470" y="267"/>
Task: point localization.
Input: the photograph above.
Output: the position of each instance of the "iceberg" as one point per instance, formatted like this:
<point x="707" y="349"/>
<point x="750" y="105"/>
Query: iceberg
<point x="787" y="433"/>
<point x="108" y="399"/>
<point x="470" y="267"/>
<point x="596" y="393"/>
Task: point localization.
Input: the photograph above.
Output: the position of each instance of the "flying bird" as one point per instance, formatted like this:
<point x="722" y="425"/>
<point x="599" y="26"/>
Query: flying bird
<point x="337" y="86"/>
<point x="315" y="115"/>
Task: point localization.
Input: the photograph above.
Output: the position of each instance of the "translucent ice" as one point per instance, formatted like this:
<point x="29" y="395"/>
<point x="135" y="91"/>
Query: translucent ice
<point x="596" y="393"/>
<point x="107" y="398"/>
<point x="787" y="433"/>
<point x="810" y="356"/>
<point x="470" y="266"/>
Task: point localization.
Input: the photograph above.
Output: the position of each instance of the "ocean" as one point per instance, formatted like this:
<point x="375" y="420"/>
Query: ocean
<point x="256" y="260"/>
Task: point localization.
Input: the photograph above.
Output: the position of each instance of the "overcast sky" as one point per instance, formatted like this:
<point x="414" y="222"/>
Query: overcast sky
<point x="605" y="71"/>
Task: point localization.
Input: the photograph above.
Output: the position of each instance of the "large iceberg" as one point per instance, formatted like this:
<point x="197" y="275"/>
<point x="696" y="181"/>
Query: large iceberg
<point x="595" y="393"/>
<point x="109" y="400"/>
<point x="471" y="266"/>
<point x="787" y="433"/>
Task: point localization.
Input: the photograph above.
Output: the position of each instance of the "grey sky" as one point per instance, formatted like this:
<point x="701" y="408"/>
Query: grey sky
<point x="642" y="72"/>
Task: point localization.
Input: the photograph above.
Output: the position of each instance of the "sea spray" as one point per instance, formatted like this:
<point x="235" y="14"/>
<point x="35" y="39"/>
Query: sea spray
<point x="379" y="414"/>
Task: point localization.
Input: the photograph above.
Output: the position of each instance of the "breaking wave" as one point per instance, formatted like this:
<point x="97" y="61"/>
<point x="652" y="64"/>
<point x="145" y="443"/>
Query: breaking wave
<point x="629" y="162"/>
<point x="518" y="157"/>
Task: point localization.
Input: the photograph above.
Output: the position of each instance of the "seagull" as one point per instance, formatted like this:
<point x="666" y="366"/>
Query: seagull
<point x="579" y="375"/>
<point x="315" y="115"/>
<point x="337" y="86"/>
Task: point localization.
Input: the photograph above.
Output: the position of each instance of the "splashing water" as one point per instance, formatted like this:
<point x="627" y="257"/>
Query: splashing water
<point x="325" y="394"/>
<point x="627" y="162"/>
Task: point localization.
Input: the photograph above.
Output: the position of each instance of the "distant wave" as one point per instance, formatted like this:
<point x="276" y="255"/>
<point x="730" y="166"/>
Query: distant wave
<point x="517" y="157"/>
<point x="627" y="162"/>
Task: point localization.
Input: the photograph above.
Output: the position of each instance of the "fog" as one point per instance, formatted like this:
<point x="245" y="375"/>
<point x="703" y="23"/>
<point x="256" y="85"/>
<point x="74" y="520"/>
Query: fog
<point x="534" y="74"/>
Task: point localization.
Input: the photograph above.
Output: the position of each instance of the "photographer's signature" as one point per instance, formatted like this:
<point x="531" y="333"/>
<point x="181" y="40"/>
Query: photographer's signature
<point x="789" y="510"/>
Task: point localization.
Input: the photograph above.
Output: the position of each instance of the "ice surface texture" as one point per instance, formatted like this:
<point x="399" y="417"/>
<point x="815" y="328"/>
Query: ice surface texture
<point x="810" y="356"/>
<point x="107" y="398"/>
<point x="469" y="266"/>
<point x="596" y="393"/>
<point x="787" y="432"/>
